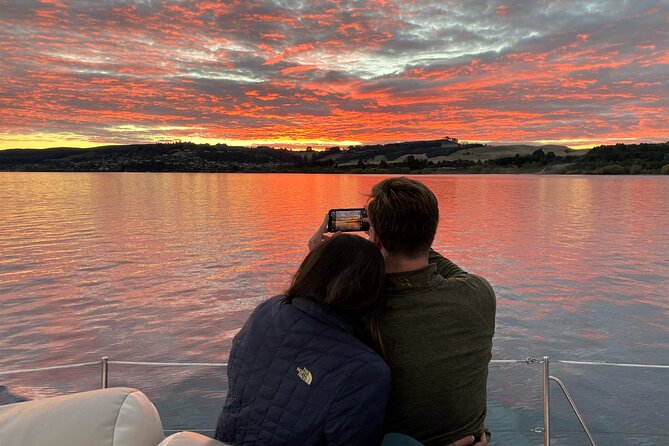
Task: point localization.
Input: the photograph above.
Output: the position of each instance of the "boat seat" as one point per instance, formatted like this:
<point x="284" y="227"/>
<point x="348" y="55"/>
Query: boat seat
<point x="189" y="439"/>
<point x="107" y="417"/>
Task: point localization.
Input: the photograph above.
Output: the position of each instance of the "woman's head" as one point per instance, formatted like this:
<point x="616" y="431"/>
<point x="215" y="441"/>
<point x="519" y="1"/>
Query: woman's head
<point x="345" y="273"/>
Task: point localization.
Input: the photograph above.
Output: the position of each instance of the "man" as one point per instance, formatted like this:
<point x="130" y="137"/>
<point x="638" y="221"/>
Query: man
<point x="440" y="322"/>
<point x="439" y="325"/>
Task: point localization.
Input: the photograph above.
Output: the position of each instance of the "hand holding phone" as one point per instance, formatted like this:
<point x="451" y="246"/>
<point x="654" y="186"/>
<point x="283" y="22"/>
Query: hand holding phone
<point x="347" y="220"/>
<point x="319" y="236"/>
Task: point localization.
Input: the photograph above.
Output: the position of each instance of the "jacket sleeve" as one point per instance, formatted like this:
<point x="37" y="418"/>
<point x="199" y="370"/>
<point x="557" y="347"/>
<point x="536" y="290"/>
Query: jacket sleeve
<point x="445" y="267"/>
<point x="356" y="414"/>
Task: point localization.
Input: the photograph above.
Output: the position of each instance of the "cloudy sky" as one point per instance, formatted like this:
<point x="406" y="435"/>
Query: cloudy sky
<point x="298" y="72"/>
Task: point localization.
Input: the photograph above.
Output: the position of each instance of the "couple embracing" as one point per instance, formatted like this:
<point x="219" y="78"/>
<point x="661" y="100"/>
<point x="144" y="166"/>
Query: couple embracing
<point x="379" y="341"/>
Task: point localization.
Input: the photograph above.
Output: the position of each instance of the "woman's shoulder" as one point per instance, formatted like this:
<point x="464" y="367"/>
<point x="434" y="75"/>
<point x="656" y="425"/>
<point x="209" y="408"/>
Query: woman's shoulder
<point x="309" y="328"/>
<point x="267" y="307"/>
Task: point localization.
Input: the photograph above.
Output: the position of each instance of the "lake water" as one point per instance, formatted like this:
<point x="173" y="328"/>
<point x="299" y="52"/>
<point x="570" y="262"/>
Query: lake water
<point x="166" y="267"/>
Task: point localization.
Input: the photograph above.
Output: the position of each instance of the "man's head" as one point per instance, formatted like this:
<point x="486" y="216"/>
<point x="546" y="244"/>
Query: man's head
<point x="403" y="215"/>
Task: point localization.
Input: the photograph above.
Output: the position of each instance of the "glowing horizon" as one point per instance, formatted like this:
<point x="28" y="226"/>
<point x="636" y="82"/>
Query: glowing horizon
<point x="48" y="141"/>
<point x="81" y="73"/>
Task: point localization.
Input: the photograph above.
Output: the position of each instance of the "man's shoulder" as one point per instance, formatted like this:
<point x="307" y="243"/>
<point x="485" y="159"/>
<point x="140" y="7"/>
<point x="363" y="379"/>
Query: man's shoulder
<point x="464" y="294"/>
<point x="481" y="285"/>
<point x="465" y="282"/>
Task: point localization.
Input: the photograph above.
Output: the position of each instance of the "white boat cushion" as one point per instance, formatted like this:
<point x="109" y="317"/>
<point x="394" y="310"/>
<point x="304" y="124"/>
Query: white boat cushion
<point x="108" y="417"/>
<point x="189" y="439"/>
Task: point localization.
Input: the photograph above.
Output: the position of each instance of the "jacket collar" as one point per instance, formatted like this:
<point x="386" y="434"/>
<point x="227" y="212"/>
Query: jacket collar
<point x="411" y="281"/>
<point x="324" y="314"/>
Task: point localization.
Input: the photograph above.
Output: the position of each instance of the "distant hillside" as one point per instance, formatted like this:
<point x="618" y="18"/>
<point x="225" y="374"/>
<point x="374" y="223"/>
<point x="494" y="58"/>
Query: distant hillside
<point x="470" y="152"/>
<point x="180" y="157"/>
<point x="495" y="152"/>
<point x="436" y="156"/>
<point x="393" y="152"/>
<point x="623" y="159"/>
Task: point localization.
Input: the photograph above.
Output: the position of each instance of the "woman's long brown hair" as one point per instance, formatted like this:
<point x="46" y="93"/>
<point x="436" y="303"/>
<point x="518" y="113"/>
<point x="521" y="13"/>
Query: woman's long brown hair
<point x="345" y="273"/>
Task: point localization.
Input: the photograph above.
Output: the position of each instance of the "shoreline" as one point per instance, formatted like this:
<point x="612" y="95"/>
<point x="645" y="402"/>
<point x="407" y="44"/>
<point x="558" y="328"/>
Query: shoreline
<point x="398" y="159"/>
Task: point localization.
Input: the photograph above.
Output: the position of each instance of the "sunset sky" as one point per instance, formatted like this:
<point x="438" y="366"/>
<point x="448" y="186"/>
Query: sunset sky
<point x="323" y="73"/>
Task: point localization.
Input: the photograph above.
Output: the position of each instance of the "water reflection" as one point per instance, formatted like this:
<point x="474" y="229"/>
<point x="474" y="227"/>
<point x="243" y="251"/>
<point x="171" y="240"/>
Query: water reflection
<point x="167" y="267"/>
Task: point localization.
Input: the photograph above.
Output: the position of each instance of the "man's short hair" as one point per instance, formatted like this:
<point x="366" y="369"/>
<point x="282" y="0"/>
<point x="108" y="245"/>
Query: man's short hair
<point x="404" y="214"/>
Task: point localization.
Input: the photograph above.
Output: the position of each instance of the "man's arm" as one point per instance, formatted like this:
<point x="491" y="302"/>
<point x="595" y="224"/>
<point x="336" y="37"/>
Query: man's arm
<point x="445" y="267"/>
<point x="483" y="299"/>
<point x="320" y="235"/>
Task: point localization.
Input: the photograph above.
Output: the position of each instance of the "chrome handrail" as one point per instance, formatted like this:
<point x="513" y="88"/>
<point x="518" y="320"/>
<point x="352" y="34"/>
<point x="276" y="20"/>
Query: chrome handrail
<point x="615" y="364"/>
<point x="106" y="360"/>
<point x="545" y="361"/>
<point x="55" y="367"/>
<point x="573" y="407"/>
<point x="547" y="400"/>
<point x="104" y="378"/>
<point x="169" y="364"/>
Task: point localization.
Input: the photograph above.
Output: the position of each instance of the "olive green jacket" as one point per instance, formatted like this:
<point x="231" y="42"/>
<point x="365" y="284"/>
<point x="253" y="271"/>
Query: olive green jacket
<point x="439" y="331"/>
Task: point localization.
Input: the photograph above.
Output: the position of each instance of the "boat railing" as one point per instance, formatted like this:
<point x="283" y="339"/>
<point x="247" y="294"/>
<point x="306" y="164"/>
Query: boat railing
<point x="544" y="362"/>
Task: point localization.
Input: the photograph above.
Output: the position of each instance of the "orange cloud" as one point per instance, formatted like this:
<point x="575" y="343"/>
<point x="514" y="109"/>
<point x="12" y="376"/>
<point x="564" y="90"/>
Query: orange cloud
<point x="502" y="10"/>
<point x="377" y="71"/>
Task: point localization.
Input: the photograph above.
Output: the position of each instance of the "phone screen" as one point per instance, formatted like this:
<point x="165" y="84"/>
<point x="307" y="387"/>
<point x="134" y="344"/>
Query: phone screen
<point x="347" y="220"/>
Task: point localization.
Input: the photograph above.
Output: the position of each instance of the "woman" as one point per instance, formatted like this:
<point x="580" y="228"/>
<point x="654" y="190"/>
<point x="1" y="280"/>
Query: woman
<point x="301" y="370"/>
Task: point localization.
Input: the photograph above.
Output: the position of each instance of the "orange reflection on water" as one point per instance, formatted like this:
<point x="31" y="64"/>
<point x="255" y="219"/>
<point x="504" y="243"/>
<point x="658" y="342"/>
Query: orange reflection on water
<point x="154" y="265"/>
<point x="167" y="267"/>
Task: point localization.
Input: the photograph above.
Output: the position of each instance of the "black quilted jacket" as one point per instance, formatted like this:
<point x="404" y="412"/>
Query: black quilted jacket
<point x="298" y="375"/>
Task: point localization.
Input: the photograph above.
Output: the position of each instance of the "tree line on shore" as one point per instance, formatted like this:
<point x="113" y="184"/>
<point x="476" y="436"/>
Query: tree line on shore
<point x="440" y="156"/>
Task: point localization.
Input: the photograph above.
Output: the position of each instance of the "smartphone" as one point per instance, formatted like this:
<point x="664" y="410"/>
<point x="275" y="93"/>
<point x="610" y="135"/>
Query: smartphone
<point x="347" y="220"/>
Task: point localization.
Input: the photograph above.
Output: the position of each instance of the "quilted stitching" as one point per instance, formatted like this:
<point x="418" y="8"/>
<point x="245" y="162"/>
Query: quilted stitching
<point x="268" y="404"/>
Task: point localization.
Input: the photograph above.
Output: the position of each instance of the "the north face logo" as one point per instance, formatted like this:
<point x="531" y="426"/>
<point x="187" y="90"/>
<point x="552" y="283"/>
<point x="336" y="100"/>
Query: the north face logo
<point x="305" y="375"/>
